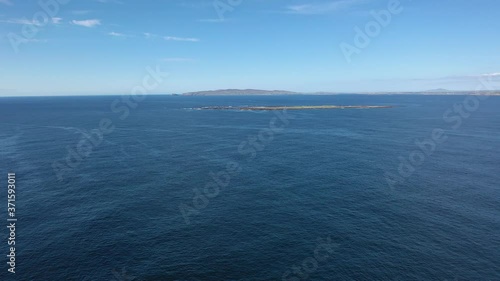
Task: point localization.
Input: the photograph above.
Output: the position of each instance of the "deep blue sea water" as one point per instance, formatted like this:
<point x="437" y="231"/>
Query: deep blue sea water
<point x="322" y="177"/>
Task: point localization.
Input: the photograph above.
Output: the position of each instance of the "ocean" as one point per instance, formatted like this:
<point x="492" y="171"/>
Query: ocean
<point x="111" y="188"/>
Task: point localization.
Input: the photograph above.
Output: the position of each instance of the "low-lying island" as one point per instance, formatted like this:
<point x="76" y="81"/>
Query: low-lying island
<point x="300" y="107"/>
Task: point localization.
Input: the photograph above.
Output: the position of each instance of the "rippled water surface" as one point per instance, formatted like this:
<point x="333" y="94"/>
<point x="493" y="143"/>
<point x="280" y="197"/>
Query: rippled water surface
<point x="259" y="204"/>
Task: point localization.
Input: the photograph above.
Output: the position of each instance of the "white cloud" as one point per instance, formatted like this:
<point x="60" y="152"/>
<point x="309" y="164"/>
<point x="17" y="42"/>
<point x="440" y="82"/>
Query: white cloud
<point x="117" y="34"/>
<point x="5" y="2"/>
<point x="321" y="8"/>
<point x="473" y="77"/>
<point x="56" y="20"/>
<point x="26" y="40"/>
<point x="25" y="21"/>
<point x="172" y="38"/>
<point x="148" y="35"/>
<point x="87" y="23"/>
<point x="21" y="21"/>
<point x="479" y="76"/>
<point x="491" y="74"/>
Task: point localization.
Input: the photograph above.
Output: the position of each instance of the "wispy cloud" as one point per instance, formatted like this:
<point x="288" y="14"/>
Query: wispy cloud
<point x="26" y="40"/>
<point x="149" y="35"/>
<point x="494" y="75"/>
<point x="117" y="34"/>
<point x="56" y="20"/>
<point x="6" y="2"/>
<point x="474" y="77"/>
<point x="23" y="21"/>
<point x="173" y="38"/>
<point x="497" y="74"/>
<point x="321" y="8"/>
<point x="87" y="23"/>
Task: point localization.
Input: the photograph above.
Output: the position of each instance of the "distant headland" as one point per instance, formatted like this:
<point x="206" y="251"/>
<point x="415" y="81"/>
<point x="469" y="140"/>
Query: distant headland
<point x="255" y="92"/>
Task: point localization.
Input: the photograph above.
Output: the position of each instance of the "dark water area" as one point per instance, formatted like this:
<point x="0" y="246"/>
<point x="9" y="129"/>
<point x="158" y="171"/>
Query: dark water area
<point x="172" y="193"/>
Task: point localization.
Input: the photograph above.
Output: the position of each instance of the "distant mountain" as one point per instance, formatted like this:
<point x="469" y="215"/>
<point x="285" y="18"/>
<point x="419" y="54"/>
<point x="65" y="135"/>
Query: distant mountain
<point x="440" y="90"/>
<point x="239" y="92"/>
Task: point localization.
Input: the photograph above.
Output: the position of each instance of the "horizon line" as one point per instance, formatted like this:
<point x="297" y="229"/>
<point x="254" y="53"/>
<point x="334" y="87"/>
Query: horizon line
<point x="324" y="93"/>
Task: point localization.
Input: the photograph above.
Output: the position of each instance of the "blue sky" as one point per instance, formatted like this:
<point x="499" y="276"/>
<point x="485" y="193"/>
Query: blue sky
<point x="104" y="46"/>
